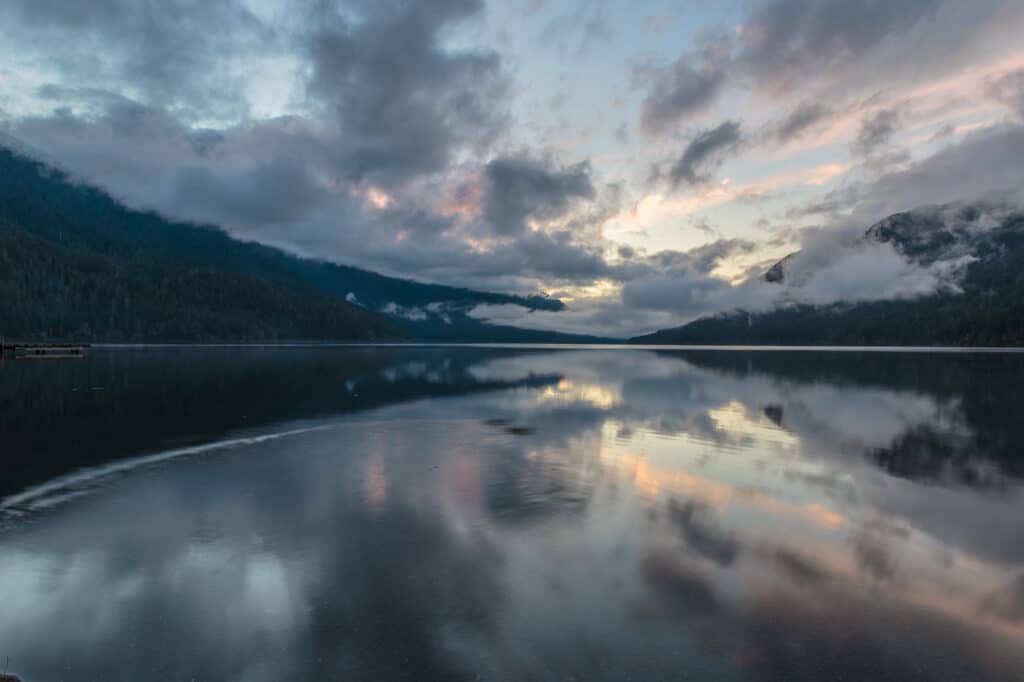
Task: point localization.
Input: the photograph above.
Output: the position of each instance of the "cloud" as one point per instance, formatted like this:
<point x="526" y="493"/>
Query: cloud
<point x="827" y="270"/>
<point x="588" y="19"/>
<point x="831" y="50"/>
<point x="413" y="313"/>
<point x="518" y="190"/>
<point x="981" y="163"/>
<point x="800" y="120"/>
<point x="681" y="90"/>
<point x="1009" y="89"/>
<point x="683" y="282"/>
<point x="945" y="131"/>
<point x="387" y="103"/>
<point x="704" y="154"/>
<point x="832" y="265"/>
<point x="400" y="140"/>
<point x="391" y="101"/>
<point x="783" y="42"/>
<point x="403" y="103"/>
<point x="642" y="292"/>
<point x="876" y="129"/>
<point x="685" y="293"/>
<point x="174" y="53"/>
<point x="847" y="263"/>
<point x="275" y="192"/>
<point x="838" y="264"/>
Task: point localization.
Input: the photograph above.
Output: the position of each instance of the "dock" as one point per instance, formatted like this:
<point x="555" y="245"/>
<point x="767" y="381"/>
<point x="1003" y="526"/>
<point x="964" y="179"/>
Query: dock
<point x="39" y="350"/>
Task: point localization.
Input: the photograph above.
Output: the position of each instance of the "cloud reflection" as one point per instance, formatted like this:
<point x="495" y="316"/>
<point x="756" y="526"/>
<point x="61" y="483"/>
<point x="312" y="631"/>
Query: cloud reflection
<point x="653" y="515"/>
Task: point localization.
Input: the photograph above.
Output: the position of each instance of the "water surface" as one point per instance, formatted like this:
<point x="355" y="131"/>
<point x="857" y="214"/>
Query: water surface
<point x="512" y="514"/>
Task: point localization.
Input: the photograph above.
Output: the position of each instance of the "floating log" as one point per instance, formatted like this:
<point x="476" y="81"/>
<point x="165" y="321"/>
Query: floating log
<point x="42" y="349"/>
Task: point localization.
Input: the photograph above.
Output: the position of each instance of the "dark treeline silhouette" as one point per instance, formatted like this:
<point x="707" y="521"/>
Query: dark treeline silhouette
<point x="60" y="416"/>
<point x="77" y="264"/>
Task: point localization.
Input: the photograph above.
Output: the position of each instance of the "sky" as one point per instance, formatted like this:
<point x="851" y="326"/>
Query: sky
<point x="644" y="161"/>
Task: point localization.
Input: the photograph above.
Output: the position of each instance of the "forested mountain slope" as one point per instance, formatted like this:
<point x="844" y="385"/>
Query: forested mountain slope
<point x="986" y="309"/>
<point x="75" y="263"/>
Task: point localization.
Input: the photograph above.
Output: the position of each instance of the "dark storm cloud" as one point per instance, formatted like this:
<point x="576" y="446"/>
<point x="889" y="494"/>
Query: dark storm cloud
<point x="554" y="256"/>
<point x="783" y="41"/>
<point x="243" y="177"/>
<point x="279" y="191"/>
<point x="404" y="104"/>
<point x="390" y="99"/>
<point x="121" y="115"/>
<point x="700" y="259"/>
<point x="800" y="120"/>
<point x="682" y="282"/>
<point x="173" y="52"/>
<point x="686" y="293"/>
<point x="386" y="102"/>
<point x="397" y="97"/>
<point x="704" y="154"/>
<point x="706" y="258"/>
<point x="679" y="91"/>
<point x="518" y="189"/>
<point x="781" y="45"/>
<point x="560" y="255"/>
<point x="876" y="129"/>
<point x="273" y="181"/>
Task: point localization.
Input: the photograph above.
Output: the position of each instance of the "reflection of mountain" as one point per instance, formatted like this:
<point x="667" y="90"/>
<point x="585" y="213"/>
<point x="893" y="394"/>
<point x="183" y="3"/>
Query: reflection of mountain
<point x="56" y="417"/>
<point x="951" y="419"/>
<point x="988" y="311"/>
<point x="980" y="392"/>
<point x="433" y="546"/>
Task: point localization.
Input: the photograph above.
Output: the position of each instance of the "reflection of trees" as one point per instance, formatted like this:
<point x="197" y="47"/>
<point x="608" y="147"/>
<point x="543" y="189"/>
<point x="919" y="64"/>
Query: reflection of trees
<point x="58" y="416"/>
<point x="926" y="454"/>
<point x="491" y="554"/>
<point x="983" y="389"/>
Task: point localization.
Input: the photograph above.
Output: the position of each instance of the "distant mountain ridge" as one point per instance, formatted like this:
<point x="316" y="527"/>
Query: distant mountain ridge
<point x="75" y="263"/>
<point x="988" y="309"/>
<point x="934" y="233"/>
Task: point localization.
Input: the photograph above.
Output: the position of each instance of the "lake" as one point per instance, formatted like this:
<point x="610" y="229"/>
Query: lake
<point x="399" y="513"/>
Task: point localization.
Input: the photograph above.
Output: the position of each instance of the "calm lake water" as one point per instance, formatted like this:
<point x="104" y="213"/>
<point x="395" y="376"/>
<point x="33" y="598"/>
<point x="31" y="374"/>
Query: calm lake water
<point x="512" y="514"/>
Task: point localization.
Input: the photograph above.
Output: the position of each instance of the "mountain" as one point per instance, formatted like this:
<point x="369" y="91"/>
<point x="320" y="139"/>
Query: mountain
<point x="986" y="308"/>
<point x="76" y="264"/>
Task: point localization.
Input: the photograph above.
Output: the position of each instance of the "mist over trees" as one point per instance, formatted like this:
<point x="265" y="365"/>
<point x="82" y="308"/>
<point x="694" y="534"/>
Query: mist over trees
<point x="986" y="308"/>
<point x="75" y="264"/>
